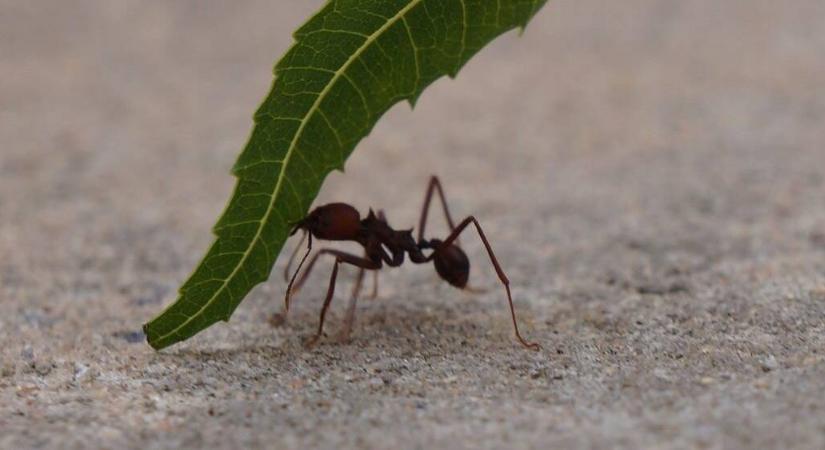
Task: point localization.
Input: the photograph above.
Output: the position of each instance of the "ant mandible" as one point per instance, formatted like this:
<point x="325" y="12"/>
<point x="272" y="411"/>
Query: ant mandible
<point x="385" y="245"/>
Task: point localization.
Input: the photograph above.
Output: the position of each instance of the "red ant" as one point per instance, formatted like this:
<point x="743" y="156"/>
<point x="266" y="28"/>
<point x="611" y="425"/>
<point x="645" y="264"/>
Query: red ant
<point x="383" y="244"/>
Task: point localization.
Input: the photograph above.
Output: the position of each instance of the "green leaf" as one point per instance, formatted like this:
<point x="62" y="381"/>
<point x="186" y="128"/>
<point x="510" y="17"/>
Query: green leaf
<point x="350" y="63"/>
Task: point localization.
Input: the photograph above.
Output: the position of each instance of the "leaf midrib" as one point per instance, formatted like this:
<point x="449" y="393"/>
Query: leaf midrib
<point x="292" y="146"/>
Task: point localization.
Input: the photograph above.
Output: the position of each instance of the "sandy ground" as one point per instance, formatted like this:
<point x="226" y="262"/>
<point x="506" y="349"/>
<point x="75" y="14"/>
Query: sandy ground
<point x="650" y="173"/>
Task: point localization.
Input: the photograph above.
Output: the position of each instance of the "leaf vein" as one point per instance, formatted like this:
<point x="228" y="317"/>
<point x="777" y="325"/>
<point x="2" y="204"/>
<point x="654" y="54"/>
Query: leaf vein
<point x="415" y="56"/>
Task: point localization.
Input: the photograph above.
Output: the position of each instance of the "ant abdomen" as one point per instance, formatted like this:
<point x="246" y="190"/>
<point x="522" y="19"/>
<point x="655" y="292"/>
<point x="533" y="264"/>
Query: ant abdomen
<point x="452" y="265"/>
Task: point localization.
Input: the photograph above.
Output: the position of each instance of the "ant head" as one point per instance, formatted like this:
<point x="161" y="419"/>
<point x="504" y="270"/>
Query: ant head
<point x="452" y="264"/>
<point x="332" y="222"/>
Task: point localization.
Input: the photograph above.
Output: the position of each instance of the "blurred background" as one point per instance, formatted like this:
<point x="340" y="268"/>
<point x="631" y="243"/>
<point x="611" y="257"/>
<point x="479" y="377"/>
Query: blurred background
<point x="650" y="173"/>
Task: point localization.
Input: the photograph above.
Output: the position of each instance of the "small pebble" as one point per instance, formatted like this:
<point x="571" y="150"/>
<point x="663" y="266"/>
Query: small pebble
<point x="27" y="353"/>
<point x="382" y="366"/>
<point x="82" y="372"/>
<point x="539" y="372"/>
<point x="762" y="383"/>
<point x="42" y="368"/>
<point x="8" y="369"/>
<point x="132" y="337"/>
<point x="769" y="363"/>
<point x="277" y="320"/>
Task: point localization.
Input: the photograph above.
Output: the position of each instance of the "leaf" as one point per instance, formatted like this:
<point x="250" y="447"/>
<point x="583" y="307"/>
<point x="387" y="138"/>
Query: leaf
<point x="350" y="63"/>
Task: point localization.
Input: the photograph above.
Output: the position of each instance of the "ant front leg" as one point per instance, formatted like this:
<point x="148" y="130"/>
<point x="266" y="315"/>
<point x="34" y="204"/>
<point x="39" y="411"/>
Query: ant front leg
<point x="340" y="257"/>
<point x="501" y="276"/>
<point x="296" y="282"/>
<point x="294" y="254"/>
<point x="278" y="319"/>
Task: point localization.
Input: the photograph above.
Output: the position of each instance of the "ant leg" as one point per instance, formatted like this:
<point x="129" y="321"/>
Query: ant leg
<point x="293" y="255"/>
<point x="382" y="217"/>
<point x="300" y="280"/>
<point x="289" y="289"/>
<point x="374" y="293"/>
<point x="432" y="187"/>
<point x="330" y="290"/>
<point x="501" y="276"/>
<point x="295" y="285"/>
<point x="340" y="257"/>
<point x="297" y="282"/>
<point x="349" y="318"/>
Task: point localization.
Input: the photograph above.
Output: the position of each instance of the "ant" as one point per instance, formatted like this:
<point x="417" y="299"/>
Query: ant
<point x="384" y="245"/>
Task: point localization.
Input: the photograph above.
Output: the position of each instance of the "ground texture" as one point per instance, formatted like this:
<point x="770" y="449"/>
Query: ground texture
<point x="650" y="173"/>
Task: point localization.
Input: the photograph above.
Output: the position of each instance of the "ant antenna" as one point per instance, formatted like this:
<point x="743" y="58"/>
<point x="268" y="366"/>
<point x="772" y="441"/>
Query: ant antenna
<point x="291" y="281"/>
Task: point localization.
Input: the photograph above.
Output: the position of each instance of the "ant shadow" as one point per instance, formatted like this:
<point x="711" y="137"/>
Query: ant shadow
<point x="387" y="329"/>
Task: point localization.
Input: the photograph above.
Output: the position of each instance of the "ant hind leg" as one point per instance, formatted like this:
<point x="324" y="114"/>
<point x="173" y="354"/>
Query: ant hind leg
<point x="499" y="271"/>
<point x="432" y="187"/>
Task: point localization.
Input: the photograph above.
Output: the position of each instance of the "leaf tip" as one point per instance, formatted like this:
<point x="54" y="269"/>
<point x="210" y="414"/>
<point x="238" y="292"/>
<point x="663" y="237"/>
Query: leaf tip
<point x="149" y="337"/>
